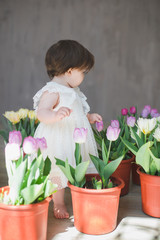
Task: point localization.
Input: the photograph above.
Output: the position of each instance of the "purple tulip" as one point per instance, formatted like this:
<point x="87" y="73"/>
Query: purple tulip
<point x="148" y="107"/>
<point x="15" y="137"/>
<point x="156" y="115"/>
<point x="145" y="112"/>
<point x="80" y="135"/>
<point x="41" y="143"/>
<point x="99" y="126"/>
<point x="153" y="112"/>
<point x="132" y="110"/>
<point x="131" y="121"/>
<point x="12" y="151"/>
<point x="115" y="123"/>
<point x="112" y="133"/>
<point x="30" y="145"/>
<point x="124" y="111"/>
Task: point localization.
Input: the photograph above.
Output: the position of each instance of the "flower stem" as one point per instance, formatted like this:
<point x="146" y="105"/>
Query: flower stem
<point x="109" y="150"/>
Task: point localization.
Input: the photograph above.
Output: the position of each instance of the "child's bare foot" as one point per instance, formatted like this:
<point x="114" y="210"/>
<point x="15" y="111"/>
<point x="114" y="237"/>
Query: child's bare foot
<point x="60" y="211"/>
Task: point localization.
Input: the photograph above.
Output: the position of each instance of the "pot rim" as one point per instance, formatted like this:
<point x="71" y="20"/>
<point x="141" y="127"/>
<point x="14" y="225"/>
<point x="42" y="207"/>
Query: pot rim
<point x="24" y="206"/>
<point x="100" y="191"/>
<point x="145" y="174"/>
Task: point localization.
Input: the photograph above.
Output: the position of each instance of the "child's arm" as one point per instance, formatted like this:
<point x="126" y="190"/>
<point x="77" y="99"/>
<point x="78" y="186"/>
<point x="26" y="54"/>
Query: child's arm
<point x="46" y="105"/>
<point x="94" y="117"/>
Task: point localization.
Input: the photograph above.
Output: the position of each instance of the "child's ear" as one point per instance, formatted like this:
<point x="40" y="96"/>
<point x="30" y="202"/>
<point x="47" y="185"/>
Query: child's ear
<point x="69" y="71"/>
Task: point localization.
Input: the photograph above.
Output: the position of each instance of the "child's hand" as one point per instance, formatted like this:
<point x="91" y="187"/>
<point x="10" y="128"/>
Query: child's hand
<point x="94" y="117"/>
<point x="62" y="113"/>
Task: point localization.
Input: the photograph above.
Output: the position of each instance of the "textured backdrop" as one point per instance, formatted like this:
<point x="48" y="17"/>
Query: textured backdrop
<point x="124" y="37"/>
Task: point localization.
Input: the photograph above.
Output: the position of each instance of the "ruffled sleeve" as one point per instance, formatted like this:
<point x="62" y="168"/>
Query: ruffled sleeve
<point x="67" y="95"/>
<point x="83" y="98"/>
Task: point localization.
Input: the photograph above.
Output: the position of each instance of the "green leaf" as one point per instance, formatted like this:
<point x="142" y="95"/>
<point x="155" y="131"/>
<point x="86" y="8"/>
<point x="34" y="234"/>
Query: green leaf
<point x="80" y="171"/>
<point x="130" y="146"/>
<point x="50" y="188"/>
<point x="31" y="193"/>
<point x="66" y="169"/>
<point x="47" y="167"/>
<point x="111" y="167"/>
<point x="77" y="153"/>
<point x="17" y="180"/>
<point x="95" y="161"/>
<point x="104" y="152"/>
<point x="156" y="160"/>
<point x="143" y="156"/>
<point x="33" y="169"/>
<point x="138" y="140"/>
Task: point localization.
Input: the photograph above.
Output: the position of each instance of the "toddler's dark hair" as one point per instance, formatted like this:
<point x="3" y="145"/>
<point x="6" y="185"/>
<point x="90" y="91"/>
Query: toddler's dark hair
<point x="67" y="54"/>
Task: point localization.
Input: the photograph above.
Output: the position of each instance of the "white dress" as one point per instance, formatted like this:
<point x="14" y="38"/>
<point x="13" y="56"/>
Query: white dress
<point x="59" y="135"/>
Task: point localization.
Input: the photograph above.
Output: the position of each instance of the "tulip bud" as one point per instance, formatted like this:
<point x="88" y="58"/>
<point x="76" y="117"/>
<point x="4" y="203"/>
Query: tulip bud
<point x="115" y="123"/>
<point x="15" y="137"/>
<point x="154" y="111"/>
<point x="131" y="121"/>
<point x="12" y="151"/>
<point x="145" y="112"/>
<point x="41" y="143"/>
<point x="112" y="133"/>
<point x="124" y="111"/>
<point x="148" y="107"/>
<point x="30" y="145"/>
<point x="132" y="110"/>
<point x="99" y="126"/>
<point x="80" y="135"/>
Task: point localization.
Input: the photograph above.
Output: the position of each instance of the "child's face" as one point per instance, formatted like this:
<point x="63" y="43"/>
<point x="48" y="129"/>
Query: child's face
<point x="75" y="77"/>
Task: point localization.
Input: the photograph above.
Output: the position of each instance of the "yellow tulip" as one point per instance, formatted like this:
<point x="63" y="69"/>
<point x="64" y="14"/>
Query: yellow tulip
<point x="23" y="113"/>
<point x="12" y="116"/>
<point x="32" y="114"/>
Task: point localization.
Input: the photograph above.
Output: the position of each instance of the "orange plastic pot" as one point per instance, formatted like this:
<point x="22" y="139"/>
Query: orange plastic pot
<point x="24" y="221"/>
<point x="95" y="211"/>
<point x="150" y="193"/>
<point x="123" y="171"/>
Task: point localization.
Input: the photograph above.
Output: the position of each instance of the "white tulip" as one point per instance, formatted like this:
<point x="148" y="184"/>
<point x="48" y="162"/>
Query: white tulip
<point x="156" y="134"/>
<point x="146" y="125"/>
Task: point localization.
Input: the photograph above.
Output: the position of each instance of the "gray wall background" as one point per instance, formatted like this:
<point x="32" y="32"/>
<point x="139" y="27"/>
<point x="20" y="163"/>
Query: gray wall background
<point x="123" y="35"/>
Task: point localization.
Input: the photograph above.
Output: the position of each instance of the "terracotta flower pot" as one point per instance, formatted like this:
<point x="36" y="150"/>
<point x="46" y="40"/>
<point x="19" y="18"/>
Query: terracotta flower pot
<point x="95" y="211"/>
<point x="135" y="175"/>
<point x="123" y="172"/>
<point x="24" y="221"/>
<point x="150" y="193"/>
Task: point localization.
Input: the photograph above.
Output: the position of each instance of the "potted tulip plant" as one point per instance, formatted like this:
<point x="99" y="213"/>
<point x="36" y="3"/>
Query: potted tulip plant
<point x="24" y="202"/>
<point x="147" y="152"/>
<point x="95" y="197"/>
<point x="118" y="148"/>
<point x="147" y="112"/>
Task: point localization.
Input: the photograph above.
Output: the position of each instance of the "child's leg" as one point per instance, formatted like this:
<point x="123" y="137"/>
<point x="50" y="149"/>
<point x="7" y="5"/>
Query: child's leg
<point x="59" y="209"/>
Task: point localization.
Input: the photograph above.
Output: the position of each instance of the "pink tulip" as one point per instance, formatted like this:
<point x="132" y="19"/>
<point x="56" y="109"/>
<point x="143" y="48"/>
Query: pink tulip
<point x="80" y="135"/>
<point x="41" y="143"/>
<point x="112" y="133"/>
<point x="15" y="137"/>
<point x="131" y="121"/>
<point x="99" y="126"/>
<point x="124" y="111"/>
<point x="115" y="123"/>
<point x="132" y="110"/>
<point x="153" y="112"/>
<point x="148" y="107"/>
<point x="30" y="145"/>
<point x="12" y="151"/>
